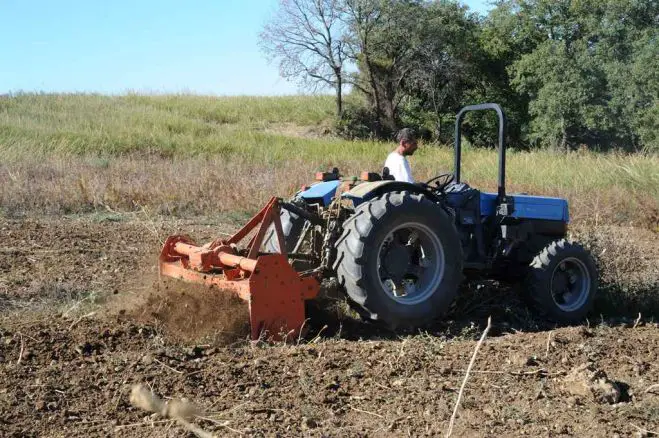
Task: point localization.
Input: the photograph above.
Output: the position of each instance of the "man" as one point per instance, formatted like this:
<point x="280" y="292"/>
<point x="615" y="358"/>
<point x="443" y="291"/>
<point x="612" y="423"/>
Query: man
<point x="398" y="165"/>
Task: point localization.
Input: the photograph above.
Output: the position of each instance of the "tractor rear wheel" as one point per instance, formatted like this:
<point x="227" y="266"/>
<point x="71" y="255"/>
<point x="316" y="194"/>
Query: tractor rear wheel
<point x="562" y="281"/>
<point x="400" y="259"/>
<point x="291" y="226"/>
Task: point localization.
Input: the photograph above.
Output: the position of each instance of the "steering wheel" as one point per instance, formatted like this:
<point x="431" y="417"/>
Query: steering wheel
<point x="447" y="178"/>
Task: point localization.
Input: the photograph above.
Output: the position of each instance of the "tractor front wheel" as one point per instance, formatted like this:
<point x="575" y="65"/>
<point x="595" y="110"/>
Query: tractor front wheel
<point x="562" y="281"/>
<point x="400" y="259"/>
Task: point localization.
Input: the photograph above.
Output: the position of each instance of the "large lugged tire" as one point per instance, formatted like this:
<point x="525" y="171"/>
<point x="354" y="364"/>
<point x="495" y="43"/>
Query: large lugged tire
<point x="403" y="283"/>
<point x="291" y="226"/>
<point x="562" y="282"/>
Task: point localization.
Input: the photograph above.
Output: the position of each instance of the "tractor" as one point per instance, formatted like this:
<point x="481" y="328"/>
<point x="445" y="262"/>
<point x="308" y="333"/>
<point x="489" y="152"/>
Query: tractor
<point x="398" y="250"/>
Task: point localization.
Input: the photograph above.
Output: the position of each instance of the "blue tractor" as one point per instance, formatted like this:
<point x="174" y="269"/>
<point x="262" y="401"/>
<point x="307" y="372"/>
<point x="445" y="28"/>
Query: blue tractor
<point x="401" y="250"/>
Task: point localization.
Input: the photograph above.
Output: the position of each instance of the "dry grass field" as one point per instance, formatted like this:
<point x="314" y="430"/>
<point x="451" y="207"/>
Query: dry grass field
<point x="195" y="155"/>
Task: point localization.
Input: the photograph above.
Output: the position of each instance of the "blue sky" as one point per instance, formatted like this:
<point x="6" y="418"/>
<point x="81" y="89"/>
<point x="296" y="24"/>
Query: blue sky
<point x="157" y="46"/>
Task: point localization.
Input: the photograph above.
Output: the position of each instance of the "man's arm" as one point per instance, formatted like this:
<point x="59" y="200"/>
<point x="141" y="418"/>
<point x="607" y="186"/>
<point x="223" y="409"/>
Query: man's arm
<point x="406" y="171"/>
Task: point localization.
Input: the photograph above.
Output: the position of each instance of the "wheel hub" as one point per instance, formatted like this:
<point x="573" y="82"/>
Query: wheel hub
<point x="396" y="261"/>
<point x="560" y="284"/>
<point x="411" y="263"/>
<point x="570" y="284"/>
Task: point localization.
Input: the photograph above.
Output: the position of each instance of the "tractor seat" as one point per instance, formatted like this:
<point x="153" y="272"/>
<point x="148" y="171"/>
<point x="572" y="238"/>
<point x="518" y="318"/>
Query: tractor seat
<point x="374" y="176"/>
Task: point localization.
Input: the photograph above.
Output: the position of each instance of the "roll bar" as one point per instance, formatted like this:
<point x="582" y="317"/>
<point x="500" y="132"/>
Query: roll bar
<point x="502" y="145"/>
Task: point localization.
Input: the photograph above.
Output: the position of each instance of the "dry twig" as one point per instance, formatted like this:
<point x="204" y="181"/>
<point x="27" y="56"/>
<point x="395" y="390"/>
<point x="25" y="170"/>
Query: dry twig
<point x="20" y="355"/>
<point x="80" y="319"/>
<point x="224" y="424"/>
<point x="365" y="412"/>
<point x="638" y="320"/>
<point x="464" y="381"/>
<point x="299" y="336"/>
<point x="382" y="386"/>
<point x="539" y="372"/>
<point x="651" y="387"/>
<point x="548" y="343"/>
<point x="167" y="366"/>
<point x="317" y="338"/>
<point x="644" y="431"/>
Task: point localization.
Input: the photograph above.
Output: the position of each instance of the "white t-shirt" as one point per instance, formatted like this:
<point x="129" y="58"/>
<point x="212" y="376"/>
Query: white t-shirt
<point x="399" y="167"/>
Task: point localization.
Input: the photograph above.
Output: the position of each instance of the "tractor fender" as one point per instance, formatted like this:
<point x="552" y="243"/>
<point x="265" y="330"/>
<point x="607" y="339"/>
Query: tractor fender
<point x="369" y="190"/>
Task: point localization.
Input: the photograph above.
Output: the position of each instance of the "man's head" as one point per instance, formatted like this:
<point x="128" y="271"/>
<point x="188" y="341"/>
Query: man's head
<point x="406" y="141"/>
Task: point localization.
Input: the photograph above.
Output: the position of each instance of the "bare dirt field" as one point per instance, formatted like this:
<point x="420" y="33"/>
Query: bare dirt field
<point x="83" y="317"/>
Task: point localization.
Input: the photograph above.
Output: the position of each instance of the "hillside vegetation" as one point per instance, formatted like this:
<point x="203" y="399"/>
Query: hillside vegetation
<point x="183" y="154"/>
<point x="571" y="74"/>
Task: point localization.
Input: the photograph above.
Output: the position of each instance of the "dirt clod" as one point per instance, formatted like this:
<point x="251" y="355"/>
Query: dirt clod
<point x="589" y="382"/>
<point x="141" y="397"/>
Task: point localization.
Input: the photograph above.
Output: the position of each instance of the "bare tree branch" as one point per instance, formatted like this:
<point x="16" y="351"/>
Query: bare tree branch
<point x="305" y="37"/>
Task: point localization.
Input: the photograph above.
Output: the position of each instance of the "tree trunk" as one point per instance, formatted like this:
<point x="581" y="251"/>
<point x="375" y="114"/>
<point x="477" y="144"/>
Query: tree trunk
<point x="339" y="97"/>
<point x="564" y="135"/>
<point x="375" y="94"/>
<point x="389" y="116"/>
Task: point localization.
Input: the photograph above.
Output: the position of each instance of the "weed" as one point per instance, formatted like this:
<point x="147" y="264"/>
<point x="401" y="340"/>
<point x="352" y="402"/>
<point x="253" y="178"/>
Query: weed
<point x="101" y="217"/>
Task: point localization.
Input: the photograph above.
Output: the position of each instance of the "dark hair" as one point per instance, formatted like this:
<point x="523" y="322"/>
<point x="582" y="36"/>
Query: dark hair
<point x="406" y="135"/>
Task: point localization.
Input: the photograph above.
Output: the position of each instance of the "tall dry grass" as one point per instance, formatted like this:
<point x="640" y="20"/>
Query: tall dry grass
<point x="191" y="155"/>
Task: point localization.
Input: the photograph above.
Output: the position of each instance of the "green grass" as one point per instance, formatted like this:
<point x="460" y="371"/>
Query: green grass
<point x="169" y="126"/>
<point x="198" y="154"/>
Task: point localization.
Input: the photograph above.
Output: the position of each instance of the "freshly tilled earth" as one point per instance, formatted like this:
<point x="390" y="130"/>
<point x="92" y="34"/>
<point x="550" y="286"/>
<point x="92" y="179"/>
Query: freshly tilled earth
<point x="83" y="318"/>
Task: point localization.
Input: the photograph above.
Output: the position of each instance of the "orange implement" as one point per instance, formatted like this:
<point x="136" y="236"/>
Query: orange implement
<point x="274" y="291"/>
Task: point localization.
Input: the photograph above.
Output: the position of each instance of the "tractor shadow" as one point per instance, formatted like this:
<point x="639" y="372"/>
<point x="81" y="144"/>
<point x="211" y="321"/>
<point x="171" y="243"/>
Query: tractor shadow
<point x="332" y="317"/>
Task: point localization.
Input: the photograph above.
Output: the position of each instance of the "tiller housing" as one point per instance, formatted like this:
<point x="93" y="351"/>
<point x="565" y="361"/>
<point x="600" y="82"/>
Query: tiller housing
<point x="274" y="291"/>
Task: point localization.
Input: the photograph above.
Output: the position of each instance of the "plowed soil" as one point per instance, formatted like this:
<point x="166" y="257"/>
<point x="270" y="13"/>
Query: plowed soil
<point x="83" y="317"/>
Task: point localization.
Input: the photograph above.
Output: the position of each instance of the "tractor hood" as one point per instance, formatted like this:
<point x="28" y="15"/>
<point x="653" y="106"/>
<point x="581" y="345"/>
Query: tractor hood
<point x="321" y="193"/>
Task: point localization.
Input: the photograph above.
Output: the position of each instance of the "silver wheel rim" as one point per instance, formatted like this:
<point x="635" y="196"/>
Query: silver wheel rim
<point x="570" y="284"/>
<point x="427" y="264"/>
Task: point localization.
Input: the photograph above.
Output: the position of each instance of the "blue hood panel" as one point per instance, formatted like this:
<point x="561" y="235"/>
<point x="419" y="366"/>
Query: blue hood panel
<point x="529" y="207"/>
<point x="322" y="192"/>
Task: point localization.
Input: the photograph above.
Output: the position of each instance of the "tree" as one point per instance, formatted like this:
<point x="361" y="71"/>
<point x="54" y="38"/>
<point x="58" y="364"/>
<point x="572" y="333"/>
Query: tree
<point x="447" y="66"/>
<point x="586" y="70"/>
<point x="628" y="46"/>
<point x="506" y="35"/>
<point x="416" y="59"/>
<point x="307" y="39"/>
<point x="385" y="45"/>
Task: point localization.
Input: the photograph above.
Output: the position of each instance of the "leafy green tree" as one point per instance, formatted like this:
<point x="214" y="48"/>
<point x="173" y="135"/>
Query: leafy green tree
<point x="385" y="45"/>
<point x="628" y="46"/>
<point x="579" y="78"/>
<point x="413" y="57"/>
<point x="507" y="34"/>
<point x="568" y="72"/>
<point x="448" y="66"/>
